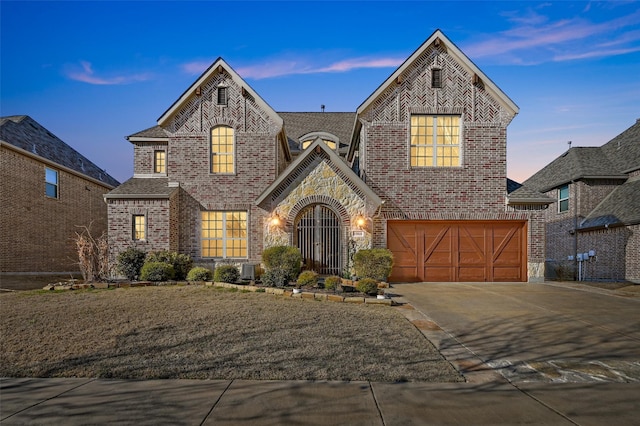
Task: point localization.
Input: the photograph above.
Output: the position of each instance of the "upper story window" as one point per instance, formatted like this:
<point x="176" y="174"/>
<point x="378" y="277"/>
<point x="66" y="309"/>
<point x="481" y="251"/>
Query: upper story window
<point x="436" y="78"/>
<point x="51" y="182"/>
<point x="563" y="198"/>
<point x="160" y="162"/>
<point x="223" y="93"/>
<point x="222" y="150"/>
<point x="224" y="234"/>
<point x="139" y="227"/>
<point x="435" y="141"/>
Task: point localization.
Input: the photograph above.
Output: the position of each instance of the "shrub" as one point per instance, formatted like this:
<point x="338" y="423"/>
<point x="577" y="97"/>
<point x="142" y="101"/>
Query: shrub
<point x="373" y="263"/>
<point x="285" y="258"/>
<point x="181" y="263"/>
<point x="275" y="277"/>
<point x="367" y="286"/>
<point x="199" y="274"/>
<point x="226" y="274"/>
<point x="332" y="282"/>
<point x="307" y="279"/>
<point x="157" y="271"/>
<point x="130" y="262"/>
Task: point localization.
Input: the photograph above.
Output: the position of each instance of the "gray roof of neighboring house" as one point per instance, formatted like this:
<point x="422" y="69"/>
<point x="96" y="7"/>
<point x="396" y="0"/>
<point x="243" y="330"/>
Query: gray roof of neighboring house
<point x="520" y="194"/>
<point x="143" y="188"/>
<point x="621" y="207"/>
<point x="615" y="159"/>
<point x="27" y="134"/>
<point x="298" y="124"/>
<point x="624" y="149"/>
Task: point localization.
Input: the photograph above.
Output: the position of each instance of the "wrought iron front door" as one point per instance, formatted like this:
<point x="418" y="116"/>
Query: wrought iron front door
<point x="318" y="238"/>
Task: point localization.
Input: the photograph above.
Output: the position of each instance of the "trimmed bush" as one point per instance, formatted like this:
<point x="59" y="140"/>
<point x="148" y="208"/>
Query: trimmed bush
<point x="226" y="274"/>
<point x="130" y="261"/>
<point x="285" y="258"/>
<point x="332" y="282"/>
<point x="199" y="274"/>
<point x="181" y="263"/>
<point x="307" y="279"/>
<point x="373" y="263"/>
<point x="275" y="277"/>
<point x="157" y="271"/>
<point x="367" y="286"/>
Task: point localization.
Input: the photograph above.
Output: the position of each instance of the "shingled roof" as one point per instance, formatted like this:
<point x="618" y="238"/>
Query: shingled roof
<point x="621" y="207"/>
<point x="298" y="124"/>
<point x="143" y="188"/>
<point x="517" y="193"/>
<point x="21" y="131"/>
<point x="624" y="150"/>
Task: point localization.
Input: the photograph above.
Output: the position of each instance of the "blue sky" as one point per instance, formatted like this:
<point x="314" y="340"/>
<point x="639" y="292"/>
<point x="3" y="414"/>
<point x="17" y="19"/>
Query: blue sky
<point x="95" y="72"/>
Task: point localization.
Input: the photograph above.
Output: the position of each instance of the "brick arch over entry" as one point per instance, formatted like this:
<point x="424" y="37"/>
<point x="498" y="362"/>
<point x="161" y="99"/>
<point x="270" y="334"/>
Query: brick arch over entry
<point x="317" y="199"/>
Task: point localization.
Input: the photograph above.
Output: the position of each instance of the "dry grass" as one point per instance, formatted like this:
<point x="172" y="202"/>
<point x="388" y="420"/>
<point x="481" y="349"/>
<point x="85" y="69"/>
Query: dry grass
<point x="209" y="333"/>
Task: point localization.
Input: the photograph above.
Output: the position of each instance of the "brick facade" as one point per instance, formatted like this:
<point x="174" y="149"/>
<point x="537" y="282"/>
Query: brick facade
<point x="38" y="231"/>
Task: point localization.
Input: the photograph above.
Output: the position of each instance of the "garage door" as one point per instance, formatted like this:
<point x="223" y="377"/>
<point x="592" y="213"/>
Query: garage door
<point x="458" y="251"/>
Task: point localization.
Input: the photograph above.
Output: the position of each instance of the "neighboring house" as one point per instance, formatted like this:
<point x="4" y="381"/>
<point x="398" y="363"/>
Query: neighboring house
<point x="48" y="191"/>
<point x="593" y="233"/>
<point x="419" y="168"/>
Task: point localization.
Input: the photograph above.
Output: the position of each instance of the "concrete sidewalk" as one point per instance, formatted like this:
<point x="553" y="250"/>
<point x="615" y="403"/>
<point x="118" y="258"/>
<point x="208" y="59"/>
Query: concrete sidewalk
<point x="223" y="402"/>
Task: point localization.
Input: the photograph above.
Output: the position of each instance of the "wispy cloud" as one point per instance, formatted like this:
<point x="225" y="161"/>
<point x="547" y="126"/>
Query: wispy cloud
<point x="86" y="74"/>
<point x="539" y="39"/>
<point x="279" y="67"/>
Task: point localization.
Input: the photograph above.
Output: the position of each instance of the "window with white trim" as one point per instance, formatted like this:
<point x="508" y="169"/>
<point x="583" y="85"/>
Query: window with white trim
<point x="435" y="141"/>
<point x="224" y="234"/>
<point x="563" y="199"/>
<point x="51" y="182"/>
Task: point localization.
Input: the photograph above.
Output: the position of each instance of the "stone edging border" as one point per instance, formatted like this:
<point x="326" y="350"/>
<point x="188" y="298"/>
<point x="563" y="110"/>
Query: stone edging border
<point x="249" y="288"/>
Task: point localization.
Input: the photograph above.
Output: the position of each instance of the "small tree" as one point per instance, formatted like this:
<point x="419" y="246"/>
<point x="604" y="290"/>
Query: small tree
<point x="93" y="255"/>
<point x="130" y="262"/>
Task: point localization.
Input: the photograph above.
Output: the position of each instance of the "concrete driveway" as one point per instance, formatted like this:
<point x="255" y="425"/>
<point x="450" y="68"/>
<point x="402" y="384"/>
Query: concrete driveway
<point x="530" y="332"/>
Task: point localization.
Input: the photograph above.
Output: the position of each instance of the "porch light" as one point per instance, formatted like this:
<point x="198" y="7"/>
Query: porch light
<point x="275" y="221"/>
<point x="361" y="222"/>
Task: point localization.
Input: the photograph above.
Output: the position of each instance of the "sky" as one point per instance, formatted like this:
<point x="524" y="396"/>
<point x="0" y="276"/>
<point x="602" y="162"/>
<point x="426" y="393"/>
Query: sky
<point x="94" y="72"/>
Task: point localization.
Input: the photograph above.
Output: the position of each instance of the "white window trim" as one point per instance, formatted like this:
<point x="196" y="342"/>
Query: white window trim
<point x="224" y="236"/>
<point x="235" y="153"/>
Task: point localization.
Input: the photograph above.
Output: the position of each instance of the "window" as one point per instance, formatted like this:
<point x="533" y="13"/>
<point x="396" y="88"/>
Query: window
<point x="222" y="147"/>
<point x="139" y="227"/>
<point x="329" y="143"/>
<point x="51" y="183"/>
<point x="563" y="198"/>
<point x="436" y="78"/>
<point x="224" y="234"/>
<point x="435" y="141"/>
<point x="160" y="162"/>
<point x="222" y="95"/>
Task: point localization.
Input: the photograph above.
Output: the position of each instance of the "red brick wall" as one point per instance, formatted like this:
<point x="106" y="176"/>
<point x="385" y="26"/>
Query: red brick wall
<point x="143" y="156"/>
<point x="38" y="231"/>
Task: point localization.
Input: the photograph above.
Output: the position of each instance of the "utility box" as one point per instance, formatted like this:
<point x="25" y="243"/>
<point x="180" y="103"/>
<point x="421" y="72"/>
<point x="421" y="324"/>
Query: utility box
<point x="248" y="271"/>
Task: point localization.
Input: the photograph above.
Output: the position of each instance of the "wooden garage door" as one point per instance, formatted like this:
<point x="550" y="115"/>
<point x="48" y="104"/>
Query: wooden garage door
<point x="458" y="251"/>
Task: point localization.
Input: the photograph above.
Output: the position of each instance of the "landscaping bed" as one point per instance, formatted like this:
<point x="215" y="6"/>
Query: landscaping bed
<point x="207" y="332"/>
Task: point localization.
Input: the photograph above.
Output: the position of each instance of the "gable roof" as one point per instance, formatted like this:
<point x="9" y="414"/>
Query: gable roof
<point x="299" y="124"/>
<point x="299" y="169"/>
<point x="219" y="65"/>
<point x="620" y="207"/>
<point x="26" y="134"/>
<point x="458" y="55"/>
<point x="155" y="133"/>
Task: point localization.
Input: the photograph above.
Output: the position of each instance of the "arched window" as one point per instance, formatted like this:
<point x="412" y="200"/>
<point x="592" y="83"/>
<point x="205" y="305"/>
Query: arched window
<point x="330" y="140"/>
<point x="222" y="150"/>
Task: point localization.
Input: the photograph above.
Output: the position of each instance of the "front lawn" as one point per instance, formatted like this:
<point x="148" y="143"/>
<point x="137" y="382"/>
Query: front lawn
<point x="209" y="333"/>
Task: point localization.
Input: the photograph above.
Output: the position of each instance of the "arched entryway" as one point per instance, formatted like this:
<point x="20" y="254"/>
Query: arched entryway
<point x="317" y="231"/>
